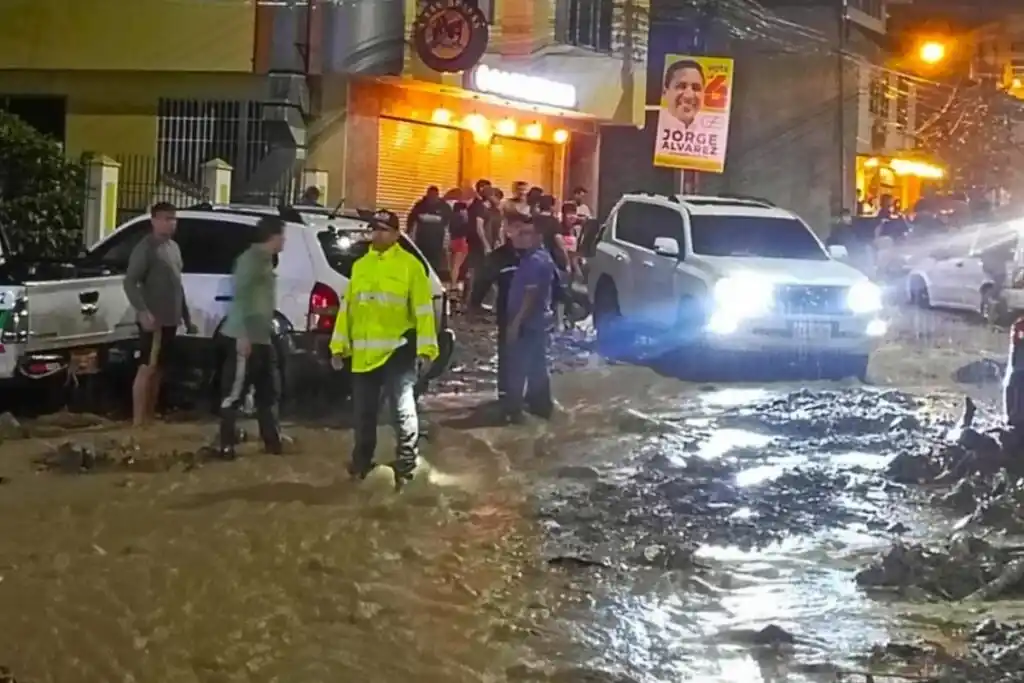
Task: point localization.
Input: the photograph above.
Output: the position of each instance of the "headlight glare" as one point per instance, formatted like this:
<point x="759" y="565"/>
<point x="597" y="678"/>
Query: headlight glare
<point x="743" y="296"/>
<point x="864" y="297"/>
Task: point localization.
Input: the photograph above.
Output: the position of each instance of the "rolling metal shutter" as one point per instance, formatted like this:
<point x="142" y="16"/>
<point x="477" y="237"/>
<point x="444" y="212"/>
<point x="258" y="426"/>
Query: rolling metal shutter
<point x="411" y="157"/>
<point x="513" y="160"/>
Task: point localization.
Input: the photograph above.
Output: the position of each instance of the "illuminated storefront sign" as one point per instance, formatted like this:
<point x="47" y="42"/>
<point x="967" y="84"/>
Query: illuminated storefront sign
<point x="522" y="87"/>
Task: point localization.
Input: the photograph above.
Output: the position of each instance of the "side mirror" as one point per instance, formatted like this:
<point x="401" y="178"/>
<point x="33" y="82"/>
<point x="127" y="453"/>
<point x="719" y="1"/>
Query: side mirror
<point x="666" y="246"/>
<point x="838" y="251"/>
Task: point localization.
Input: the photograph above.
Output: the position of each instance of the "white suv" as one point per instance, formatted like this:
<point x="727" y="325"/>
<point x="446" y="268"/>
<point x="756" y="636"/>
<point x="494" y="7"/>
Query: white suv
<point x="313" y="273"/>
<point x="735" y="275"/>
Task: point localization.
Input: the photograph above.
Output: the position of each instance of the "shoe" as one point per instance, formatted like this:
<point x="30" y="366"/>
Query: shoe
<point x="357" y="474"/>
<point x="280" y="447"/>
<point x="226" y="453"/>
<point x="402" y="480"/>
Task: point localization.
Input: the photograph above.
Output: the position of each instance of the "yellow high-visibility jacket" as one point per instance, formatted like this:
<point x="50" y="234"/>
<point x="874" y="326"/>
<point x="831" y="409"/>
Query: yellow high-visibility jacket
<point x="388" y="295"/>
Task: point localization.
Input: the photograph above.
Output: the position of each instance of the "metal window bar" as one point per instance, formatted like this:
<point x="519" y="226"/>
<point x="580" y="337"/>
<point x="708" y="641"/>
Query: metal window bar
<point x="590" y="24"/>
<point x="902" y="101"/>
<point x="192" y="132"/>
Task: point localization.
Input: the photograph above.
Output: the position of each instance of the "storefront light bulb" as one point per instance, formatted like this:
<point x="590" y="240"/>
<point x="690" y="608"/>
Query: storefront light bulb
<point x="506" y="127"/>
<point x="534" y="131"/>
<point x="561" y="136"/>
<point x="475" y="123"/>
<point x="441" y="117"/>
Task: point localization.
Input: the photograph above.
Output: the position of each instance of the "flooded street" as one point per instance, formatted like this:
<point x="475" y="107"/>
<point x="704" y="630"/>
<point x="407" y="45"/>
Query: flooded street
<point x="657" y="530"/>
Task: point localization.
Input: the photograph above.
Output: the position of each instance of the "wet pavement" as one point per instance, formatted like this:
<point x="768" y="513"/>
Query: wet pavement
<point x="656" y="530"/>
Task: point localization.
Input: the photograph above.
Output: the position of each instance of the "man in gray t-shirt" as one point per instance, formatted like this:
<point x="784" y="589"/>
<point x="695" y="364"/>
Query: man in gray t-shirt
<point x="154" y="289"/>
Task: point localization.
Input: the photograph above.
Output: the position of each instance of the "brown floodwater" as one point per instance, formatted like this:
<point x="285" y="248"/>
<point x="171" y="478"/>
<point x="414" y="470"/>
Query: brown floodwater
<point x="268" y="568"/>
<point x="158" y="565"/>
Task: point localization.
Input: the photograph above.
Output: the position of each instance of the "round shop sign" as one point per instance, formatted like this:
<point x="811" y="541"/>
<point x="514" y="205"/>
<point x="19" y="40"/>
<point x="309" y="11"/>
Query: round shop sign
<point x="450" y="35"/>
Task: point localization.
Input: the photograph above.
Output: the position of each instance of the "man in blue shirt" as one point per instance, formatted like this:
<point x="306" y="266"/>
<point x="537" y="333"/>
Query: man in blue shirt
<point x="529" y="309"/>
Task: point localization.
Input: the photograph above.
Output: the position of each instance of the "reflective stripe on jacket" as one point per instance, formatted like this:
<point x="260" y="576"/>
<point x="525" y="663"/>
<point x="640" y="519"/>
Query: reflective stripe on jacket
<point x="388" y="296"/>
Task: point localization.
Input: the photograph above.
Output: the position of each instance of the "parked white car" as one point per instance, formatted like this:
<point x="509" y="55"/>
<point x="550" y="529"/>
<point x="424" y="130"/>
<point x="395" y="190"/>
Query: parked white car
<point x="978" y="270"/>
<point x="313" y="272"/>
<point x="732" y="275"/>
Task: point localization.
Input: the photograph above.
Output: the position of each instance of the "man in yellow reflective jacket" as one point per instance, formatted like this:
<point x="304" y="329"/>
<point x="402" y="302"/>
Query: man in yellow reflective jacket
<point x="386" y="332"/>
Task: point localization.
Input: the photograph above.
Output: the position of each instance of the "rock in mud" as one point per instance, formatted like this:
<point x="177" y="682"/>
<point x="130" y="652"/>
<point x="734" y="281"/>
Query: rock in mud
<point x="914" y="467"/>
<point x="965" y="567"/>
<point x="76" y="457"/>
<point x="666" y="557"/>
<point x="10" y="430"/>
<point x="772" y="636"/>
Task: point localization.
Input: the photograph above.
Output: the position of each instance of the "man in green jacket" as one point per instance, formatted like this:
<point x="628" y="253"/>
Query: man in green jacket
<point x="252" y="362"/>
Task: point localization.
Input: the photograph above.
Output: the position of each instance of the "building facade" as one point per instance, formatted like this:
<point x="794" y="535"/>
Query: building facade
<point x="164" y="86"/>
<point x="505" y="91"/>
<point x="386" y="97"/>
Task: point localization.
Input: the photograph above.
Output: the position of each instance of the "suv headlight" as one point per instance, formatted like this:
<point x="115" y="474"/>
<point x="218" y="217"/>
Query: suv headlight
<point x="864" y="297"/>
<point x="743" y="296"/>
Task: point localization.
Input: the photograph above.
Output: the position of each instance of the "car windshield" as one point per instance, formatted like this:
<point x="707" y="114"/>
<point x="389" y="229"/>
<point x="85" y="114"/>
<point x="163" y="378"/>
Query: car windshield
<point x="344" y="248"/>
<point x="754" y="236"/>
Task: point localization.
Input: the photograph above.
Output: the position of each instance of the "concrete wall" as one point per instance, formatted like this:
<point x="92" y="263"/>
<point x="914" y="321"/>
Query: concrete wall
<point x="144" y="35"/>
<point x="114" y="113"/>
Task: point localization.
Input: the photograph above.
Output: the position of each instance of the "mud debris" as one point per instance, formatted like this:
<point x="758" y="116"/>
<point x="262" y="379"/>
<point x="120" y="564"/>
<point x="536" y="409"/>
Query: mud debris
<point x="991" y="652"/>
<point x="955" y="570"/>
<point x="84" y="456"/>
<point x="10" y="430"/>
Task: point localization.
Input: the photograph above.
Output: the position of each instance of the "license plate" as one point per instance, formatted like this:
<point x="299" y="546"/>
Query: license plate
<point x="85" y="362"/>
<point x="812" y="330"/>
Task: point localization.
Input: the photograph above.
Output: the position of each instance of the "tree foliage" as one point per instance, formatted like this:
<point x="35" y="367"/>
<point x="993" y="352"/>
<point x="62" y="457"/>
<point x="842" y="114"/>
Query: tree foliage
<point x="974" y="136"/>
<point x="42" y="194"/>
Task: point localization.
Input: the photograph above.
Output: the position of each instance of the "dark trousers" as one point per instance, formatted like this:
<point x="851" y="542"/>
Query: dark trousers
<point x="529" y="378"/>
<point x="395" y="383"/>
<point x="259" y="372"/>
<point x="503" y="352"/>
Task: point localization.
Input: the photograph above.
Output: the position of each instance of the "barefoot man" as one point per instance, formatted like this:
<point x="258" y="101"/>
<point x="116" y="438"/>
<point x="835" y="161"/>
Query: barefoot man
<point x="153" y="286"/>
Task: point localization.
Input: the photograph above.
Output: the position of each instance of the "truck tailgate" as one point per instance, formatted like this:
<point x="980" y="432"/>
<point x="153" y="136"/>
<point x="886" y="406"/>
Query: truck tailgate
<point x="81" y="312"/>
<point x="9" y="295"/>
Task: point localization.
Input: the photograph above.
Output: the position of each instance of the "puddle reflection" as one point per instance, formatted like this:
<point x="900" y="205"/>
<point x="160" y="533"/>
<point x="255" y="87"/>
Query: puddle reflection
<point x="722" y="441"/>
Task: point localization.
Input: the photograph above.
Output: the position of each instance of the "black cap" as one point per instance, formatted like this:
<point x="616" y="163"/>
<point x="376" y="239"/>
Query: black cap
<point x="385" y="219"/>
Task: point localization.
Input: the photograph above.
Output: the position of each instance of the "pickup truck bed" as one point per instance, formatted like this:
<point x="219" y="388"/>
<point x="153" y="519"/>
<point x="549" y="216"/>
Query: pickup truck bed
<point x="56" y="315"/>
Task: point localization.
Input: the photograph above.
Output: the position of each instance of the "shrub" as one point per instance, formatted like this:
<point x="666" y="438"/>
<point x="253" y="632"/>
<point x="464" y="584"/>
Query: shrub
<point x="42" y="194"/>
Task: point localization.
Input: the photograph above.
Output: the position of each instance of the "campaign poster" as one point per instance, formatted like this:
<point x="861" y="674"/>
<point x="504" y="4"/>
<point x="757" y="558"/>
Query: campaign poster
<point x="693" y="121"/>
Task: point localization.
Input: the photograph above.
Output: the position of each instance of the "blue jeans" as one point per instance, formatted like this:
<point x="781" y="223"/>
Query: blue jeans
<point x="394" y="382"/>
<point x="528" y="376"/>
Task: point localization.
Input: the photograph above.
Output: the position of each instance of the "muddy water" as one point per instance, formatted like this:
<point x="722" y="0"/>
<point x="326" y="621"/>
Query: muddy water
<point x="776" y="498"/>
<point x="648" y="532"/>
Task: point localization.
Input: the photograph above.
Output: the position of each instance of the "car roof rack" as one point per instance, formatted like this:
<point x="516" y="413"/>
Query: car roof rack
<point x="289" y="212"/>
<point x="725" y="200"/>
<point x="749" y="198"/>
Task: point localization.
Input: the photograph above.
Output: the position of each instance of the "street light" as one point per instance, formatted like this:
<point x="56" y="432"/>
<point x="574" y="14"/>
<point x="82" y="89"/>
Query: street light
<point x="932" y="52"/>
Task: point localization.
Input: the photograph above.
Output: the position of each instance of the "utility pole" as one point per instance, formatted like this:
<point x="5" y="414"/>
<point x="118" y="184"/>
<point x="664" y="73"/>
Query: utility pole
<point x="841" y="105"/>
<point x="705" y="20"/>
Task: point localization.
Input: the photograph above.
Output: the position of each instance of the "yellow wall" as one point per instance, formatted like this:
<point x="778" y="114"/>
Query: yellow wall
<point x="114" y="113"/>
<point x="147" y="35"/>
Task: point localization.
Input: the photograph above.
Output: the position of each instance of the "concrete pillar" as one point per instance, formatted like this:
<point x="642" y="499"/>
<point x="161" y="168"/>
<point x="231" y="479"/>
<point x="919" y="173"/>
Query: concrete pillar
<point x="582" y="167"/>
<point x="101" y="202"/>
<point x="217" y="181"/>
<point x="315" y="178"/>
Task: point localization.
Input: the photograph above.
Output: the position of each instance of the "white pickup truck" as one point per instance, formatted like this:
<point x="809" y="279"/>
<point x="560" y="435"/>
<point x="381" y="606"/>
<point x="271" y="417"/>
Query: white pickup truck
<point x="61" y="320"/>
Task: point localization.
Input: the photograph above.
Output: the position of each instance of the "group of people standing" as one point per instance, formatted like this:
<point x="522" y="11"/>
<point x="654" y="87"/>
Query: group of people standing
<point x="385" y="333"/>
<point x="456" y="235"/>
